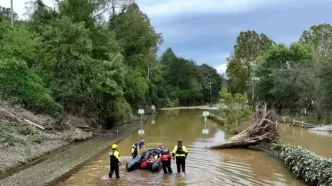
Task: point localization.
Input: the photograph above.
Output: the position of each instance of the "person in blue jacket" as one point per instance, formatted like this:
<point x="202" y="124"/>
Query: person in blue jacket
<point x="136" y="147"/>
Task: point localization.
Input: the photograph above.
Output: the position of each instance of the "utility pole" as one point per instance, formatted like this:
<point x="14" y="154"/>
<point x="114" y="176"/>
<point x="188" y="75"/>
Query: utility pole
<point x="253" y="86"/>
<point x="11" y="12"/>
<point x="253" y="79"/>
<point x="113" y="8"/>
<point x="210" y="87"/>
<point x="149" y="69"/>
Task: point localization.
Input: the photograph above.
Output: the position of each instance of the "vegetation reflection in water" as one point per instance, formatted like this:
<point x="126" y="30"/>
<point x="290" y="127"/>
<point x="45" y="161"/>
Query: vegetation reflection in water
<point x="204" y="167"/>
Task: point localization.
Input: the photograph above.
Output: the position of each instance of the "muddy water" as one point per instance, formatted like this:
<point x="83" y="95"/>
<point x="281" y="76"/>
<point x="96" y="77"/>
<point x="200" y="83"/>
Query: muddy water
<point x="315" y="141"/>
<point x="204" y="167"/>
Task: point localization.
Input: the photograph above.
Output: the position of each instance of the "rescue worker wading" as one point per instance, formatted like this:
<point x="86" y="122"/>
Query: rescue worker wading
<point x="180" y="152"/>
<point x="114" y="161"/>
<point x="136" y="147"/>
<point x="166" y="160"/>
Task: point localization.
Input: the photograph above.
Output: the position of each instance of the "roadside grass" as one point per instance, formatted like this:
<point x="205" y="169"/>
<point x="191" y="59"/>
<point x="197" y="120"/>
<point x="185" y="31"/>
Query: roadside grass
<point x="22" y="143"/>
<point x="62" y="161"/>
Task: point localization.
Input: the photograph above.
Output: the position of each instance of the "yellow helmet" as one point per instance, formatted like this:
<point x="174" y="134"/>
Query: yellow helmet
<point x="114" y="146"/>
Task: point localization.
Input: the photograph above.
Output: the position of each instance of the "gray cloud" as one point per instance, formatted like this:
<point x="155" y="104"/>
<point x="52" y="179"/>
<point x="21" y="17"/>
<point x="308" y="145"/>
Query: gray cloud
<point x="168" y="8"/>
<point x="203" y="35"/>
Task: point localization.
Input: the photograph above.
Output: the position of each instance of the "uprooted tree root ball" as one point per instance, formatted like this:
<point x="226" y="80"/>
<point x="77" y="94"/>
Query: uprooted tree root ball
<point x="262" y="129"/>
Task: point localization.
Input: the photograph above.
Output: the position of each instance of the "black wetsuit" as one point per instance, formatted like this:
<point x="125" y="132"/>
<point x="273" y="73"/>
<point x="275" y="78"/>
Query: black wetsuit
<point x="114" y="163"/>
<point x="180" y="152"/>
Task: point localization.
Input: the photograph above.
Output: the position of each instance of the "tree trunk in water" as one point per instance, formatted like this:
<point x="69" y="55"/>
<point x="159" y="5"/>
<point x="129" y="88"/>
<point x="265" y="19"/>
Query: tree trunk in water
<point x="262" y="129"/>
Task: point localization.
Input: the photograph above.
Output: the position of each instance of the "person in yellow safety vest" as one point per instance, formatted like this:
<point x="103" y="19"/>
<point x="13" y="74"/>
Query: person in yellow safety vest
<point x="136" y="147"/>
<point x="114" y="161"/>
<point x="180" y="153"/>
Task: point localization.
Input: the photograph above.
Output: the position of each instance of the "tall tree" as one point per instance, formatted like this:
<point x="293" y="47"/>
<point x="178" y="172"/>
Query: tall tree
<point x="84" y="85"/>
<point x="20" y="42"/>
<point x="5" y="14"/>
<point x="183" y="78"/>
<point x="248" y="46"/>
<point x="313" y="92"/>
<point x="139" y="43"/>
<point x="137" y="37"/>
<point x="41" y="15"/>
<point x="211" y="83"/>
<point x="319" y="37"/>
<point x="78" y="11"/>
<point x="278" y="73"/>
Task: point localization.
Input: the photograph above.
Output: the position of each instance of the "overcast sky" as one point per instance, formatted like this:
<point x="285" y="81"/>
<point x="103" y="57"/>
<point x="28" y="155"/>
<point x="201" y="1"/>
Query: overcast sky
<point x="206" y="30"/>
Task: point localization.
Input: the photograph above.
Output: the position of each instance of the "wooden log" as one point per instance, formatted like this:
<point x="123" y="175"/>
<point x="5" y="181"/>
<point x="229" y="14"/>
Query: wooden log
<point x="12" y="117"/>
<point x="34" y="124"/>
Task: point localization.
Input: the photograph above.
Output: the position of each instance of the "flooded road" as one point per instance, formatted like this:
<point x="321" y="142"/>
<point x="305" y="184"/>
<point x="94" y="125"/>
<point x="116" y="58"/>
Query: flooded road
<point x="204" y="166"/>
<point x="316" y="141"/>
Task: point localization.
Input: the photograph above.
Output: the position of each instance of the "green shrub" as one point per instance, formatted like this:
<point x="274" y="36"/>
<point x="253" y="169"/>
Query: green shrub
<point x="216" y="119"/>
<point x="121" y="110"/>
<point x="17" y="80"/>
<point x="306" y="165"/>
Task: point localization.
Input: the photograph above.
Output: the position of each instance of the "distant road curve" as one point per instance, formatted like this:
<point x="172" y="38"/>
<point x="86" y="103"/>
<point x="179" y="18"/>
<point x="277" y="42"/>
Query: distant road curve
<point x="327" y="128"/>
<point x="203" y="107"/>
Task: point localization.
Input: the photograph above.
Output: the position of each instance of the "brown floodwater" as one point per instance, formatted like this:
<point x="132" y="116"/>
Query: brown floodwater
<point x="203" y="166"/>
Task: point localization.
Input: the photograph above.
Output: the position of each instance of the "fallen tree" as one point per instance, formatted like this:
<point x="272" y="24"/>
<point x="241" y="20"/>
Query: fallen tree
<point x="262" y="129"/>
<point x="262" y="135"/>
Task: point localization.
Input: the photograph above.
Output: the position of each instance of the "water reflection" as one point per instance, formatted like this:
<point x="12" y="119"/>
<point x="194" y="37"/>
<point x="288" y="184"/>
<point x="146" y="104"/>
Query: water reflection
<point x="321" y="133"/>
<point x="153" y="119"/>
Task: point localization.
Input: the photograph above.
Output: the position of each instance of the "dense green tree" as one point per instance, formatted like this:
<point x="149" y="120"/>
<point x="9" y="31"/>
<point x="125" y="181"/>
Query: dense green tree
<point x="235" y="108"/>
<point x="78" y="11"/>
<point x="319" y="37"/>
<point x="83" y="84"/>
<point x="136" y="88"/>
<point x="249" y="45"/>
<point x="278" y="73"/>
<point x="137" y="37"/>
<point x="312" y="89"/>
<point x="20" y="42"/>
<point x="322" y="72"/>
<point x="5" y="14"/>
<point x="5" y="17"/>
<point x="187" y="82"/>
<point x="22" y="85"/>
<point x="210" y="76"/>
<point x="139" y="43"/>
<point x="41" y="15"/>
